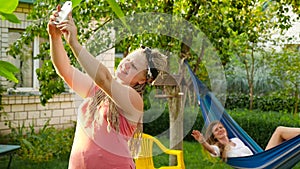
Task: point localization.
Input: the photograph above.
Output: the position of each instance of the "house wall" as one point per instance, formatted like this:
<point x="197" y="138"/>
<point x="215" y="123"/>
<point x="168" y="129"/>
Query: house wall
<point x="26" y="110"/>
<point x="22" y="106"/>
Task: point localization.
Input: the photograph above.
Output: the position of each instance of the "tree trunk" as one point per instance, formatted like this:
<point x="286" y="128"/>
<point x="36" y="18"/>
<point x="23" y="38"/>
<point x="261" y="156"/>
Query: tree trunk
<point x="251" y="96"/>
<point x="250" y="76"/>
<point x="251" y="86"/>
<point x="296" y="100"/>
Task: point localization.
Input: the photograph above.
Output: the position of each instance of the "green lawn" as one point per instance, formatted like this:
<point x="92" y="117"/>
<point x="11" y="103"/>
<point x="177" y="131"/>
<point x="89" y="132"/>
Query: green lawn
<point x="192" y="156"/>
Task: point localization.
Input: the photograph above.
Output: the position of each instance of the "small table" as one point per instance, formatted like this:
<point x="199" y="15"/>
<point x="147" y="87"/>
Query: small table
<point x="8" y="150"/>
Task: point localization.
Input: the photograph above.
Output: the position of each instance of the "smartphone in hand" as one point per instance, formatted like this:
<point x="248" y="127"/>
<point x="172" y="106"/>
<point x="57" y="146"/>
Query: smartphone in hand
<point x="63" y="14"/>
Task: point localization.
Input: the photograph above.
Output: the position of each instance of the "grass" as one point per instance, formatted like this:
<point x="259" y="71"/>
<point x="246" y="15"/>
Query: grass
<point x="193" y="158"/>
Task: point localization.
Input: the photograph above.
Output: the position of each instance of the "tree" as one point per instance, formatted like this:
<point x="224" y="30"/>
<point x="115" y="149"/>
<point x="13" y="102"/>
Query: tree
<point x="285" y="65"/>
<point x="238" y="28"/>
<point x="227" y="24"/>
<point x="264" y="83"/>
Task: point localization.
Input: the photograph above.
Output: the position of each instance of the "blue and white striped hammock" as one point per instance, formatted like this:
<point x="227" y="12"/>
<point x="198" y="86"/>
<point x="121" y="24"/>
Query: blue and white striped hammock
<point x="283" y="156"/>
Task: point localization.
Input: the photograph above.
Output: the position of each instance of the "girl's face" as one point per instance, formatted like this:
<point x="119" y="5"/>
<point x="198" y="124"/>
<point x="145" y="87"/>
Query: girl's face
<point x="219" y="131"/>
<point x="132" y="69"/>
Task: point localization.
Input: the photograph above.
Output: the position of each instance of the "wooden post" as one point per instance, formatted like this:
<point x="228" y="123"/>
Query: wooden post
<point x="176" y="109"/>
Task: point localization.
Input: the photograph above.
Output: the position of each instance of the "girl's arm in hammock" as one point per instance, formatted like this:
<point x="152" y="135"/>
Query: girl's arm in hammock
<point x="199" y="137"/>
<point x="209" y="148"/>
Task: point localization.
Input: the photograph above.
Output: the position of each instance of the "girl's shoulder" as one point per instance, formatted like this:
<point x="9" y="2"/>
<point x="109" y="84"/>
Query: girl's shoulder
<point x="236" y="140"/>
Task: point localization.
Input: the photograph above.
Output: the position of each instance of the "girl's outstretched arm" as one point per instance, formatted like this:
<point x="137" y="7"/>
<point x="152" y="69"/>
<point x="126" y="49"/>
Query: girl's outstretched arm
<point x="78" y="81"/>
<point x="124" y="96"/>
<point x="199" y="137"/>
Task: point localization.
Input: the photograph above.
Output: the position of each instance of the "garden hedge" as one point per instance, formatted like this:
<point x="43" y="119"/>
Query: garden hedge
<point x="278" y="103"/>
<point x="259" y="125"/>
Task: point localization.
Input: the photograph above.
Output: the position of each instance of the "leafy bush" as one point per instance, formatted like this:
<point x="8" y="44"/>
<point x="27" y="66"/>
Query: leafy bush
<point x="162" y="123"/>
<point x="158" y="125"/>
<point x="50" y="82"/>
<point x="43" y="145"/>
<point x="260" y="125"/>
<point x="276" y="102"/>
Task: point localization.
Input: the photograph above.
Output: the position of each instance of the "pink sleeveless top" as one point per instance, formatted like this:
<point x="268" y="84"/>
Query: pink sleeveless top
<point x="95" y="147"/>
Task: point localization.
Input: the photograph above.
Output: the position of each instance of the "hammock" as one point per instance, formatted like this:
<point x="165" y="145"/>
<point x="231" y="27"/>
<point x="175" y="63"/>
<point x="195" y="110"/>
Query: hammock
<point x="284" y="156"/>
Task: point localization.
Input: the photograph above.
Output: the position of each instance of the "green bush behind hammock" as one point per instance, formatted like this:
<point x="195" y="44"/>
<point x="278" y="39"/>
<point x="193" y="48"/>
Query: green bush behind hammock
<point x="253" y="122"/>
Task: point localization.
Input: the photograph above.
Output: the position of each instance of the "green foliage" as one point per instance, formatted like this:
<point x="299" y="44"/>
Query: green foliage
<point x="158" y="125"/>
<point x="8" y="70"/>
<point x="6" y="10"/>
<point x="263" y="81"/>
<point x="9" y="6"/>
<point x="118" y="11"/>
<point x="285" y="66"/>
<point x="162" y="122"/>
<point x="260" y="125"/>
<point x="75" y="3"/>
<point x="274" y="102"/>
<point x="42" y="145"/>
<point x="50" y="84"/>
<point x="233" y="27"/>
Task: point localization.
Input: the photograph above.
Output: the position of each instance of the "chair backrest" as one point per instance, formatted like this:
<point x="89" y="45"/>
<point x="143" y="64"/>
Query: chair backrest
<point x="145" y="157"/>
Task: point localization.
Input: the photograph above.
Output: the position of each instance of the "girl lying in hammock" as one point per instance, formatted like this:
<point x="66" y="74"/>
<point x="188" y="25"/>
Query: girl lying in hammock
<point x="217" y="143"/>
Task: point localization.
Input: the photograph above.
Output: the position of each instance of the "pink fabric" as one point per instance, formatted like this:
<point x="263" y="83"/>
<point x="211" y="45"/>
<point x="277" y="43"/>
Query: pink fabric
<point x="96" y="148"/>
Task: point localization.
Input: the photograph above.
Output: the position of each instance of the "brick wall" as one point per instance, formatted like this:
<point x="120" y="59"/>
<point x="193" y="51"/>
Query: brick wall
<point x="27" y="110"/>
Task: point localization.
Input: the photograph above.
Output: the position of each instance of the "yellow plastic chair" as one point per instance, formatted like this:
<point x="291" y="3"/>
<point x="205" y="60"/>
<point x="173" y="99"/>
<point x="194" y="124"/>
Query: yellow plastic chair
<point x="145" y="160"/>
